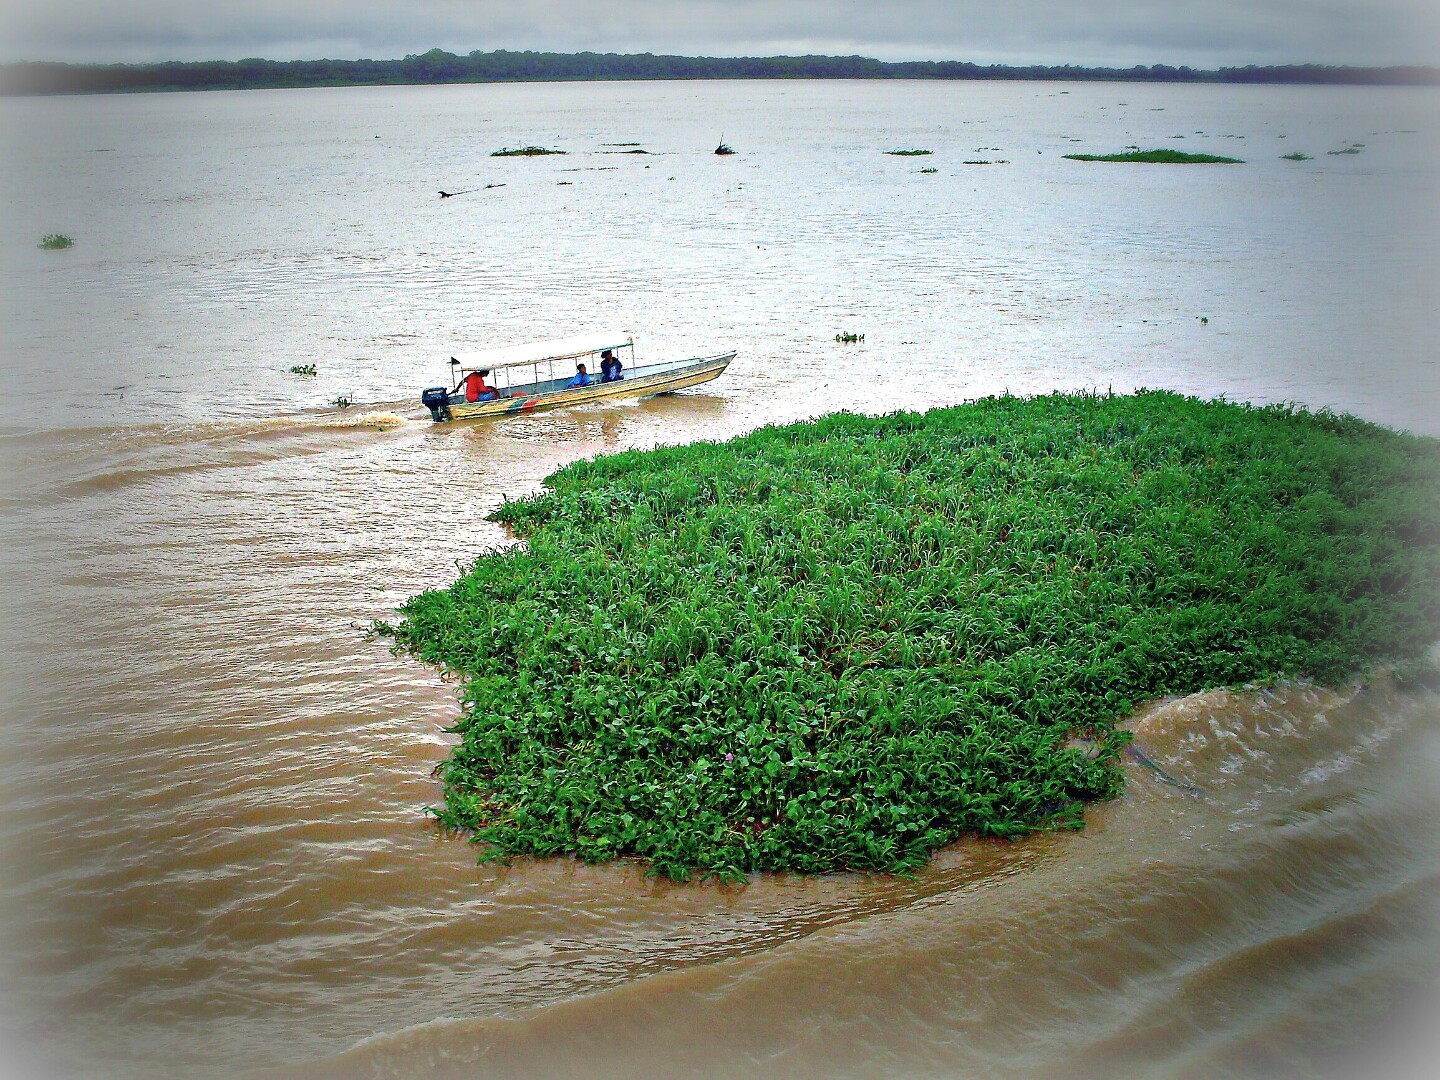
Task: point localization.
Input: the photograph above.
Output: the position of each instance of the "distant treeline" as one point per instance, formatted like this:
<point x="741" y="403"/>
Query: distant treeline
<point x="438" y="66"/>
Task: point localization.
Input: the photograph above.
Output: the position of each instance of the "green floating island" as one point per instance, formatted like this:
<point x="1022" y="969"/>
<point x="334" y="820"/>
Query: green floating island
<point x="55" y="242"/>
<point x="1159" y="157"/>
<point x="524" y="151"/>
<point x="844" y="643"/>
<point x="909" y="153"/>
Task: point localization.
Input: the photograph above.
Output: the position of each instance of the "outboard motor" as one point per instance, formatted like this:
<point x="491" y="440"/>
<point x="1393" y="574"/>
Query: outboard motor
<point x="437" y="399"/>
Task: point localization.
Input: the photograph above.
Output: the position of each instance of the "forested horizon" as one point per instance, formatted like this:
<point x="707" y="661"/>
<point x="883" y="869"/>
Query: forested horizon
<point x="439" y="66"/>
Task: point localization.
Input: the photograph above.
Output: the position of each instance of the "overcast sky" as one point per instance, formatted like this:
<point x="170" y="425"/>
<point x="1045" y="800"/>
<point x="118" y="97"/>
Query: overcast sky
<point x="1201" y="33"/>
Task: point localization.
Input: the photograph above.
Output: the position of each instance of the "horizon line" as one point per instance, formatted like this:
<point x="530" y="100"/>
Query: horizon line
<point x="437" y="52"/>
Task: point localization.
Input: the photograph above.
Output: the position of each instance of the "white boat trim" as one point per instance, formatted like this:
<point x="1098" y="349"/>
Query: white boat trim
<point x="537" y="352"/>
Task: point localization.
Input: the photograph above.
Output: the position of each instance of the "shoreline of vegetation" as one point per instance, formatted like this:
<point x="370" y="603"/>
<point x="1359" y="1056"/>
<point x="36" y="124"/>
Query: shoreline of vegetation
<point x="439" y="66"/>
<point x="844" y="643"/>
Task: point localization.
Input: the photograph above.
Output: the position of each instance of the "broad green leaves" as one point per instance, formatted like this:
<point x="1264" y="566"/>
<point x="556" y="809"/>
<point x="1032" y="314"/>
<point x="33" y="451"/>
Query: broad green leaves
<point x="844" y="643"/>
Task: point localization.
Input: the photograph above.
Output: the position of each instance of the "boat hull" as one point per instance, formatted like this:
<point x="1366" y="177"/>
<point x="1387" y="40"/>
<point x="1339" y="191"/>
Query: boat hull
<point x="639" y="383"/>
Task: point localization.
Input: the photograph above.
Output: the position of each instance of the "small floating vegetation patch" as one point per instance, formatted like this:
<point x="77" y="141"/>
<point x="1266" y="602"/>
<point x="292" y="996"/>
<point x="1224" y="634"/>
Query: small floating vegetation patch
<point x="985" y="161"/>
<point x="724" y="148"/>
<point x="928" y="170"/>
<point x="55" y="242"/>
<point x="525" y="151"/>
<point x="847" y="338"/>
<point x="847" y="642"/>
<point x="1159" y="157"/>
<point x="303" y="369"/>
<point x="1296" y="156"/>
<point x="342" y="402"/>
<point x="1353" y="148"/>
<point x="909" y="153"/>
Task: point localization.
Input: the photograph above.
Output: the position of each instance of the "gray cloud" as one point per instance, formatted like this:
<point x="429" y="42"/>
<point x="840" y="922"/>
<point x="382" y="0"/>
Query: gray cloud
<point x="1111" y="32"/>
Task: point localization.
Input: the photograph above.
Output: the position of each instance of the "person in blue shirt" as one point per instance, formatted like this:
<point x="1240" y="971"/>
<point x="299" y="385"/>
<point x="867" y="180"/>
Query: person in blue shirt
<point x="582" y="377"/>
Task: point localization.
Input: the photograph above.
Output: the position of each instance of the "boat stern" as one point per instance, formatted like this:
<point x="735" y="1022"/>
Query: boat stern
<point x="437" y="400"/>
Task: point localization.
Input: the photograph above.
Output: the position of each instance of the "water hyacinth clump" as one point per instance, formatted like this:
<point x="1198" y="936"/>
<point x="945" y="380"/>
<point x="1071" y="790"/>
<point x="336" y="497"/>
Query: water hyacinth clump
<point x="1158" y="157"/>
<point x="844" y="643"/>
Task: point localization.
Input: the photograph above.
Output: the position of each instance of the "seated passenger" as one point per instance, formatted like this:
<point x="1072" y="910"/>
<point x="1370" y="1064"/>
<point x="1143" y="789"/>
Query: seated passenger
<point x="476" y="388"/>
<point x="582" y="377"/>
<point x="610" y="367"/>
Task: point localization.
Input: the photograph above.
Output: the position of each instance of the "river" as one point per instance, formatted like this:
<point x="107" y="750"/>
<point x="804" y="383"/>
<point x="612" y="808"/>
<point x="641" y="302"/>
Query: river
<point x="216" y="853"/>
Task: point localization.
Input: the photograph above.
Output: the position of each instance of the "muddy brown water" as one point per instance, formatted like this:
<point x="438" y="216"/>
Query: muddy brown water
<point x="213" y="782"/>
<point x="220" y="857"/>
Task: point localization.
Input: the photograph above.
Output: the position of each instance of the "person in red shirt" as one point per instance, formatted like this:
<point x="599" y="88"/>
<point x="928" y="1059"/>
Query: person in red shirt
<point x="476" y="388"/>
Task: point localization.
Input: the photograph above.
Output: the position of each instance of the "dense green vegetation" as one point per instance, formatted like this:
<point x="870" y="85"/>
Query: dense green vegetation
<point x="844" y="643"/>
<point x="524" y="151"/>
<point x="55" y="242"/>
<point x="439" y="66"/>
<point x="1159" y="157"/>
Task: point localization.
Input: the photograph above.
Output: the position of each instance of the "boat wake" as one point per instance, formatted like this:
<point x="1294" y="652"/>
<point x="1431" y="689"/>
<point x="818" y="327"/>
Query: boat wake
<point x="75" y="463"/>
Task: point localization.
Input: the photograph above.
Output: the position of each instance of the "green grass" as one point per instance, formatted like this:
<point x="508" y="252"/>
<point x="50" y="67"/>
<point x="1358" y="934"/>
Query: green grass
<point x="1296" y="156"/>
<point x="1159" y="157"/>
<point x="55" y="242"/>
<point x="524" y="151"/>
<point x="909" y="153"/>
<point x="845" y="643"/>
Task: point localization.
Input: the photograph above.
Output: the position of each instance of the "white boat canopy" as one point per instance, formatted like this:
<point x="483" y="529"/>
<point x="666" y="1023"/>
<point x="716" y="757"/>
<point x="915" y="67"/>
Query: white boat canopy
<point x="537" y="352"/>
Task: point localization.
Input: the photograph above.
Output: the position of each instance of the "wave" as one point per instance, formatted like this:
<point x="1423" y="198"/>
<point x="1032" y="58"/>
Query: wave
<point x="1271" y="928"/>
<point x="75" y="463"/>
